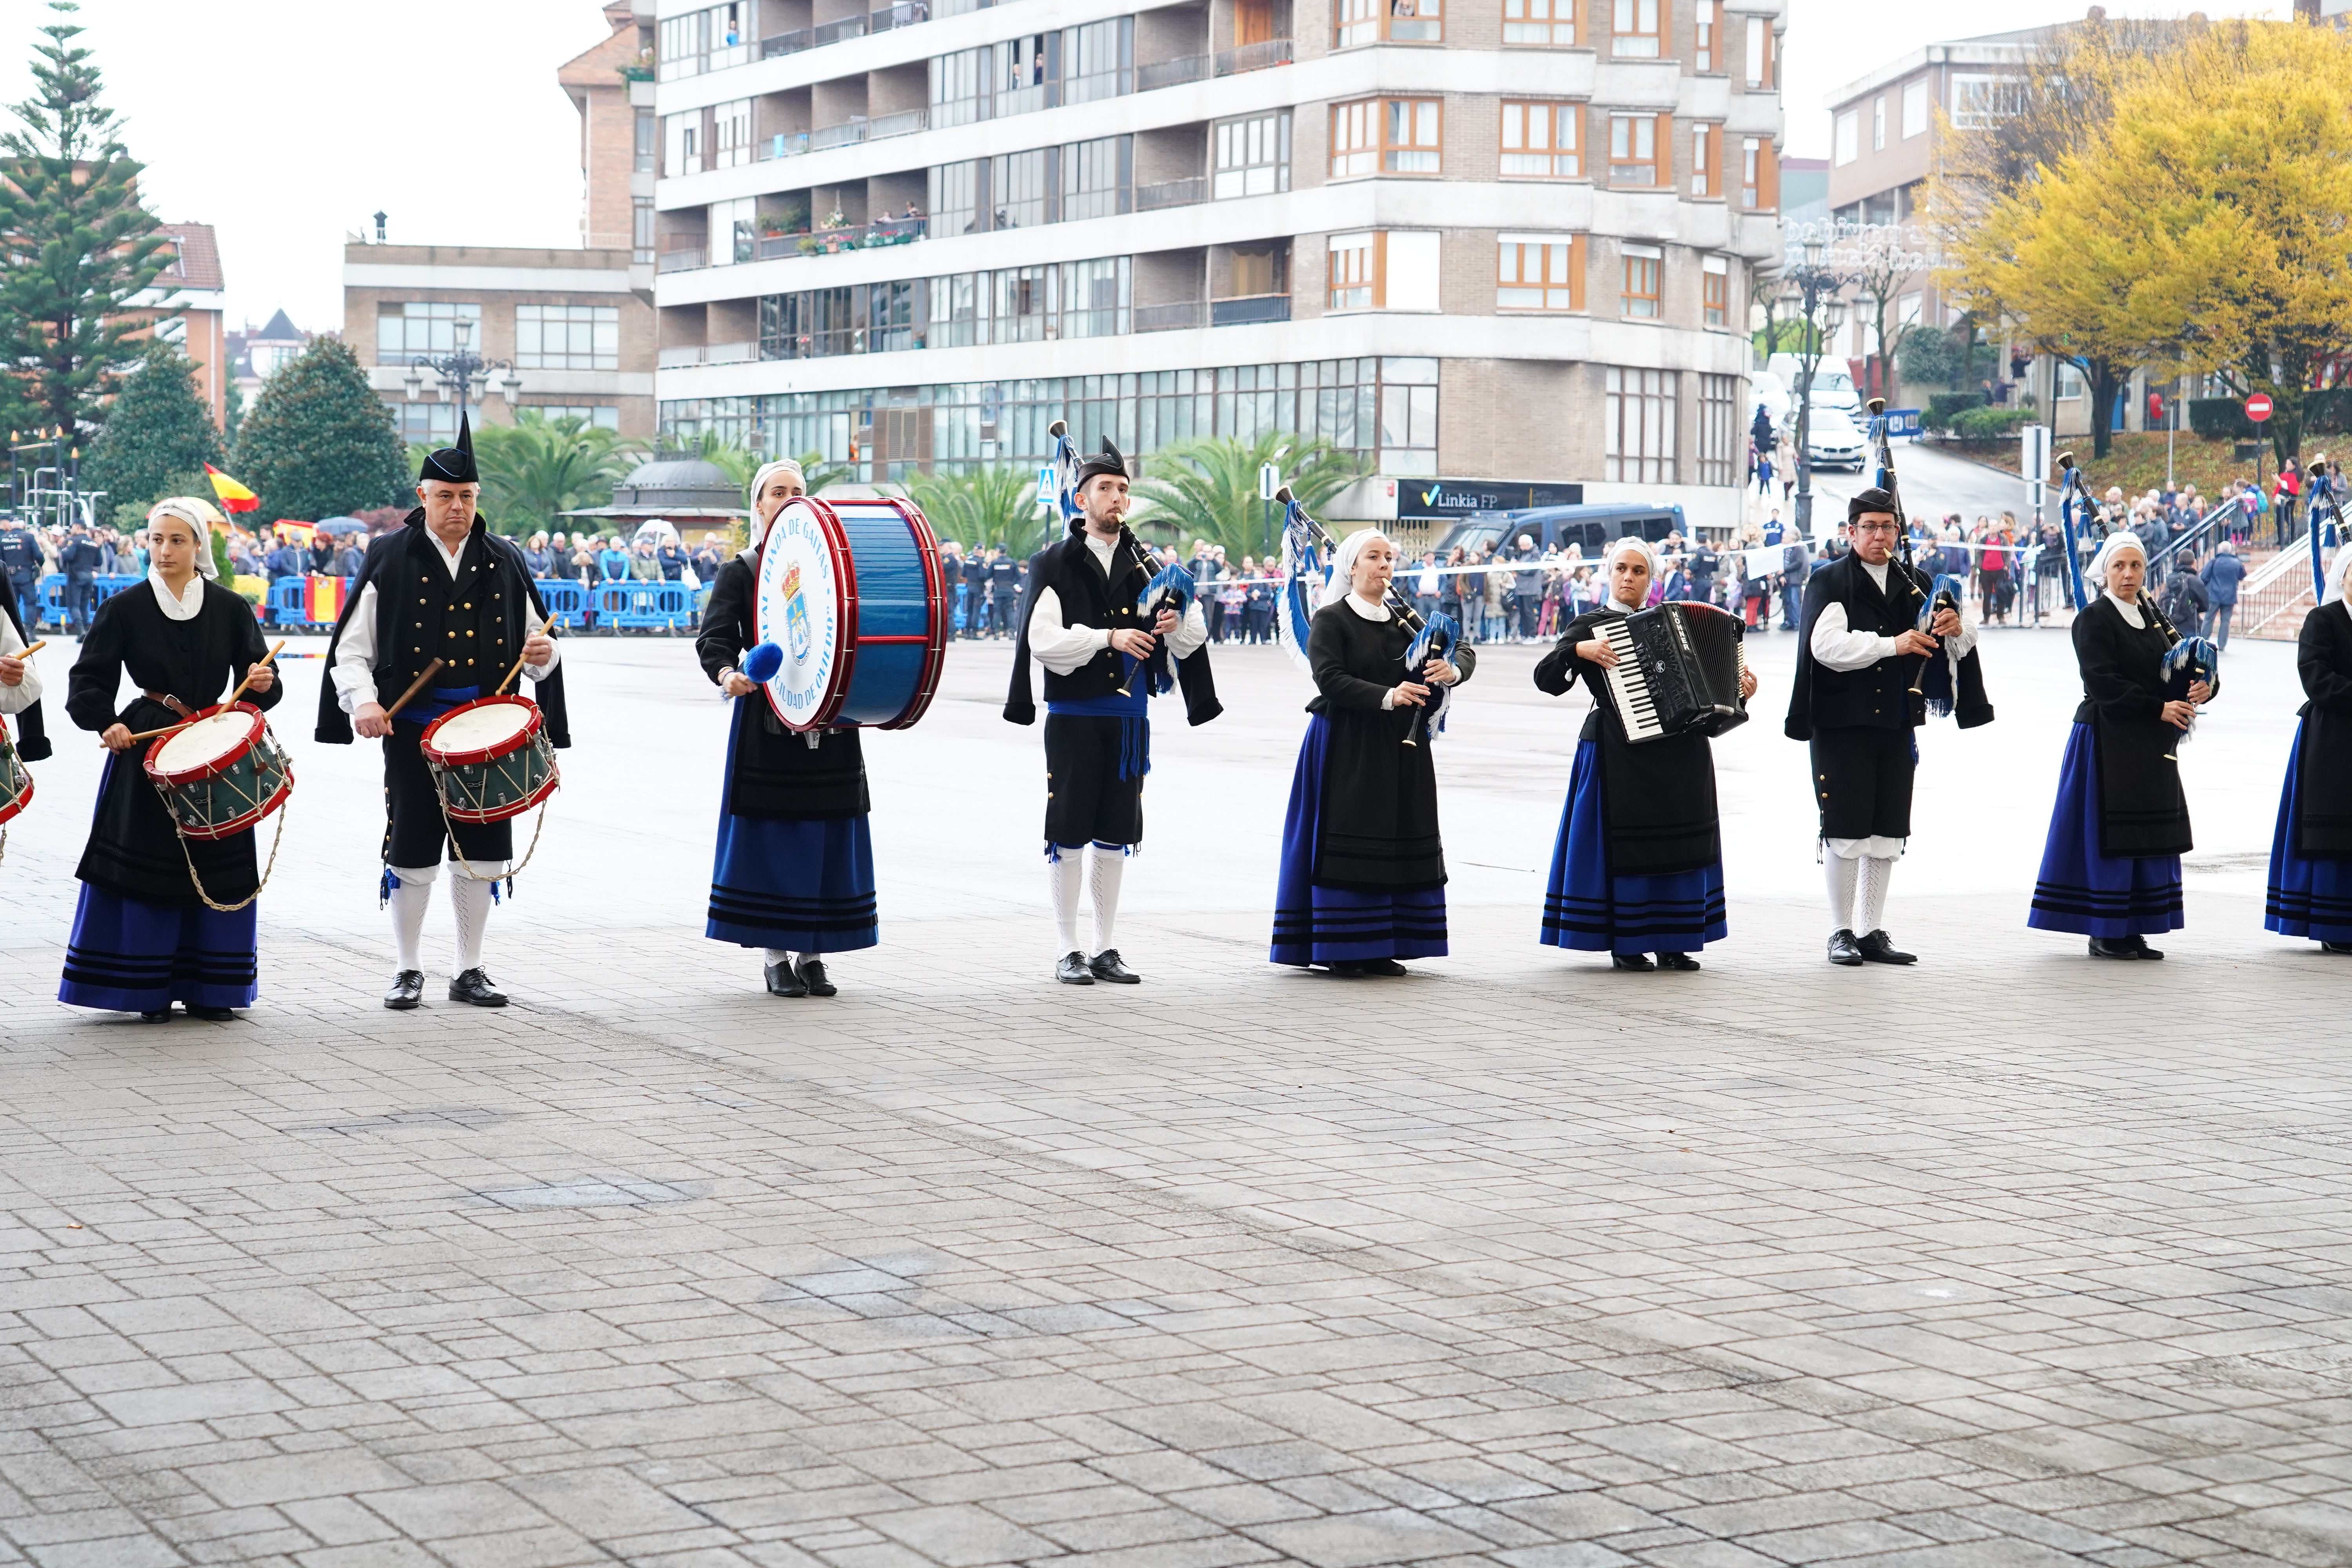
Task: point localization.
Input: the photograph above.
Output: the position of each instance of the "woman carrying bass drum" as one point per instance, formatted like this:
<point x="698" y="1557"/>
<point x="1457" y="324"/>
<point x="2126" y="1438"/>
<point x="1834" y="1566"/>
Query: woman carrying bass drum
<point x="2310" y="850"/>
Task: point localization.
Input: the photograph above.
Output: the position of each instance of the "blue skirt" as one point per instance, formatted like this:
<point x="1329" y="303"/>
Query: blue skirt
<point x="126" y="956"/>
<point x="1314" y="924"/>
<point x="2307" y="898"/>
<point x="2086" y="892"/>
<point x="1587" y="909"/>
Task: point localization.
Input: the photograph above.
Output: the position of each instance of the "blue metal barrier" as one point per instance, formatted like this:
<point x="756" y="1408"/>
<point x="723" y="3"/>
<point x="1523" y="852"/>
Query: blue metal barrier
<point x="566" y="602"/>
<point x="643" y="607"/>
<point x="49" y="595"/>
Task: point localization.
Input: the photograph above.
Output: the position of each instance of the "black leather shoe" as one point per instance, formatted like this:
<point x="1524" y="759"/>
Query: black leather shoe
<point x="1348" y="969"/>
<point x="474" y="988"/>
<point x="1637" y="961"/>
<point x="2140" y="946"/>
<point x="1875" y="949"/>
<point x="1843" y="950"/>
<point x="1073" y="971"/>
<point x="212" y="1015"/>
<point x="407" y="990"/>
<point x="2102" y="948"/>
<point x="2336" y="947"/>
<point x="1682" y="960"/>
<point x="1108" y="968"/>
<point x="161" y="1016"/>
<point x="1387" y="966"/>
<point x="812" y="972"/>
<point x="783" y="980"/>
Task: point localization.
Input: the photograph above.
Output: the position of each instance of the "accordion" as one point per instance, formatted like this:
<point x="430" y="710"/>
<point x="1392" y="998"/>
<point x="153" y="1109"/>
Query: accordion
<point x="1677" y="670"/>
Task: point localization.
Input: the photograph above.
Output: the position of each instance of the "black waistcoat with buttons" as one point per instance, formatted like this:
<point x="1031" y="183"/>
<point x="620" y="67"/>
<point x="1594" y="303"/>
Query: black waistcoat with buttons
<point x="460" y="620"/>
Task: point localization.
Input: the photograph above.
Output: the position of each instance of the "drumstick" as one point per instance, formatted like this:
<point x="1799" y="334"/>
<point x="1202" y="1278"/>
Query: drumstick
<point x="550" y="630"/>
<point x="175" y="729"/>
<point x="249" y="674"/>
<point x="415" y="687"/>
<point x="27" y="652"/>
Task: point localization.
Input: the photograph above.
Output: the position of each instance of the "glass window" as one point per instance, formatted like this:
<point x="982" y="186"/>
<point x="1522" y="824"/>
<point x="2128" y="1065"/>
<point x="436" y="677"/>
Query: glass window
<point x="1253" y="156"/>
<point x="1632" y="149"/>
<point x="1098" y="61"/>
<point x="1353" y="270"/>
<point x="1017" y="76"/>
<point x="1846" y="135"/>
<point x="641" y="229"/>
<point x="1539" y="141"/>
<point x="1715" y="292"/>
<point x="1540" y="272"/>
<point x="1878" y="123"/>
<point x="1759" y="52"/>
<point x="1016" y="190"/>
<point x="681" y="45"/>
<point x="1706" y="32"/>
<point x="1719" y="430"/>
<point x="1633" y="30"/>
<point x="425" y="327"/>
<point x="1915" y="109"/>
<point x="682" y="143"/>
<point x="567" y="337"/>
<point x="954" y="205"/>
<point x="1096" y="297"/>
<point x="1024" y="304"/>
<point x="1978" y="102"/>
<point x="1098" y="178"/>
<point x="600" y="416"/>
<point x="1759" y="175"/>
<point x="1355" y="139"/>
<point x="1637" y="427"/>
<point x="731" y="134"/>
<point x="1409" y="142"/>
<point x="648" y="141"/>
<point x="959" y="87"/>
<point x="1642" y="267"/>
<point x="1707" y="160"/>
<point x="1549" y="23"/>
<point x="734" y="231"/>
<point x="1396" y="21"/>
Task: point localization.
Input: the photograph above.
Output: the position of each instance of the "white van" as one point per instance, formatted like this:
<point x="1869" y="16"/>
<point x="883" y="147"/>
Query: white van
<point x="1833" y="382"/>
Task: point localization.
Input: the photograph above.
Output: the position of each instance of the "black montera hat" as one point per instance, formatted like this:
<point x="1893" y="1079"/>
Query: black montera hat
<point x="1871" y="499"/>
<point x="1107" y="461"/>
<point x="453" y="465"/>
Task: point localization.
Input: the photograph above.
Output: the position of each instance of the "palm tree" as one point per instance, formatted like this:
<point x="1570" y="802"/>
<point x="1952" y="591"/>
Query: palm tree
<point x="538" y="468"/>
<point x="984" y="506"/>
<point x="740" y="463"/>
<point x="1207" y="489"/>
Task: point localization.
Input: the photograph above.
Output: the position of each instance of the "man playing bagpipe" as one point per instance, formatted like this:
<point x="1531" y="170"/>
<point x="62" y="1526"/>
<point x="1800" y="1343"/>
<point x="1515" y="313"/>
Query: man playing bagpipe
<point x="1108" y="631"/>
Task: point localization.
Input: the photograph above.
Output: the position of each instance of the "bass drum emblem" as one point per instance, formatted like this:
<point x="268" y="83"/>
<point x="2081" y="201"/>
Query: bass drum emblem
<point x="796" y="615"/>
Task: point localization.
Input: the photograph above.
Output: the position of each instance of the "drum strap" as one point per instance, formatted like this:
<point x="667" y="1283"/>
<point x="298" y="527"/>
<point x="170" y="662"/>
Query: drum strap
<point x="209" y="902"/>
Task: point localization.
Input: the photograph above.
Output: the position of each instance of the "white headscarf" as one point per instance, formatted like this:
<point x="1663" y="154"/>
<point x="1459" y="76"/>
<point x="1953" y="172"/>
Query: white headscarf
<point x="198" y="514"/>
<point x="1617" y="547"/>
<point x="1343" y="559"/>
<point x="758" y="530"/>
<point x="2338" y="570"/>
<point x="2116" y="544"/>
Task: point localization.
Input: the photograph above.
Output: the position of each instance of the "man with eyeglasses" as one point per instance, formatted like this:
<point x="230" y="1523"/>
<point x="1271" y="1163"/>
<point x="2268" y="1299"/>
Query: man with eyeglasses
<point x="1858" y="663"/>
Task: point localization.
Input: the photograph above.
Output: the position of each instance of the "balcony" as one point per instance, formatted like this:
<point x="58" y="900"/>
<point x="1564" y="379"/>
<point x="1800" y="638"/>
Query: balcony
<point x="1249" y="310"/>
<point x="684" y="258"/>
<point x="1171" y="194"/>
<point x="832" y="241"/>
<point x="678" y="355"/>
<point x="1253" y="57"/>
<point x="1171" y="73"/>
<point x="904" y="14"/>
<point x="1170" y="317"/>
<point x="849" y="132"/>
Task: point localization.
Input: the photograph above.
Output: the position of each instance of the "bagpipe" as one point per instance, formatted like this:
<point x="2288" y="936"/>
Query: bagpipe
<point x="1307" y="551"/>
<point x="1170" y="588"/>
<point x="2187" y="661"/>
<point x="2075" y="507"/>
<point x="2327" y="506"/>
<point x="1932" y="680"/>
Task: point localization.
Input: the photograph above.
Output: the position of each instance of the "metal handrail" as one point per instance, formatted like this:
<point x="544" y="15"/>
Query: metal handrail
<point x="2191" y="538"/>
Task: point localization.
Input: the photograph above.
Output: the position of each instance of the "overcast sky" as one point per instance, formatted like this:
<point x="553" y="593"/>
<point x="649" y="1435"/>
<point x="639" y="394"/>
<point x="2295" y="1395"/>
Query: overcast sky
<point x="285" y="123"/>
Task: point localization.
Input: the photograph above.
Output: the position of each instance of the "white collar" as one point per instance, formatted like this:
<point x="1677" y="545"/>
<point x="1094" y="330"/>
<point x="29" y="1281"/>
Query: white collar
<point x="449" y="557"/>
<point x="2129" y="608"/>
<point x="1366" y="608"/>
<point x="1877" y="573"/>
<point x="184" y="605"/>
<point x="1620" y="606"/>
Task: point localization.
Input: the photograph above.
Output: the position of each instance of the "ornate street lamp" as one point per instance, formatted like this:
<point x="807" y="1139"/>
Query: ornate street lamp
<point x="1812" y="294"/>
<point x="462" y="371"/>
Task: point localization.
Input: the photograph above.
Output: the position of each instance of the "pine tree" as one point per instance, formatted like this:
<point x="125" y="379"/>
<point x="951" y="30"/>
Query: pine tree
<point x="79" y="245"/>
<point x="318" y="442"/>
<point x="158" y="438"/>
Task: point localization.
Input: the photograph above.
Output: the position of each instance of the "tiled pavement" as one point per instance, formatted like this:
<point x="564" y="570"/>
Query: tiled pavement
<point x="2003" y="1260"/>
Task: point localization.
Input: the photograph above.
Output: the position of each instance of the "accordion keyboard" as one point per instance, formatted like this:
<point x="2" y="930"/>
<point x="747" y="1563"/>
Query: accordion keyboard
<point x="1628" y="683"/>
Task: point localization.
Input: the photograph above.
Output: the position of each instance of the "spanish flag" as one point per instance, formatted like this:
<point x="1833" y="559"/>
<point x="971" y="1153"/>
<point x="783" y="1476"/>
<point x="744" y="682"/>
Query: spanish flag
<point x="234" y="497"/>
<point x="323" y="600"/>
<point x="293" y="531"/>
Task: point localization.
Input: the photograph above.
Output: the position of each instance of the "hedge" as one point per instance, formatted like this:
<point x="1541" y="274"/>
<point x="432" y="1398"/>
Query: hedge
<point x="1943" y="405"/>
<point x="2326" y="413"/>
<point x="1990" y="423"/>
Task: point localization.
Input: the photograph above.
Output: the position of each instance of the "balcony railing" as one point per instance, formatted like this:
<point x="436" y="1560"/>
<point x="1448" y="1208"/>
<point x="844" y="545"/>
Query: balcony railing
<point x="1247" y="310"/>
<point x="785" y="144"/>
<point x="1170" y="317"/>
<point x="1253" y="57"/>
<point x="684" y="258"/>
<point x="1171" y="193"/>
<point x="906" y="14"/>
<point x="1171" y="73"/>
<point x="830" y="241"/>
<point x="850" y="130"/>
<point x="677" y="354"/>
<point x="902" y="124"/>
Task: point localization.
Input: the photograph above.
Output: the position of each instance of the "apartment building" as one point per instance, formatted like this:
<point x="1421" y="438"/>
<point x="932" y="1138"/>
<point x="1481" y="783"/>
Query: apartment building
<point x="1511" y="238"/>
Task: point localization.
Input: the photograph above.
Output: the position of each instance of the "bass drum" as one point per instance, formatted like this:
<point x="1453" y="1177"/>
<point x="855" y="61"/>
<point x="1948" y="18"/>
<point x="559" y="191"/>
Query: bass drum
<point x="852" y="593"/>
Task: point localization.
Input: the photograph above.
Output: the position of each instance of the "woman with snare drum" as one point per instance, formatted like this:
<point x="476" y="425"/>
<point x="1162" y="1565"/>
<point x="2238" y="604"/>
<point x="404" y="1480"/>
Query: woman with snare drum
<point x="794" y="871"/>
<point x="164" y="918"/>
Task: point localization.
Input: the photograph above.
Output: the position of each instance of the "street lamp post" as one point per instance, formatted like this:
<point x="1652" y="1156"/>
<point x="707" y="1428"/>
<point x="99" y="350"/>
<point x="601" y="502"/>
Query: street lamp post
<point x="1812" y="291"/>
<point x="462" y="371"/>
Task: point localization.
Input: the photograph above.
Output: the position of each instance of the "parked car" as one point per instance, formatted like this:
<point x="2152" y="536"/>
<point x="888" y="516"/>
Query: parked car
<point x="1833" y="440"/>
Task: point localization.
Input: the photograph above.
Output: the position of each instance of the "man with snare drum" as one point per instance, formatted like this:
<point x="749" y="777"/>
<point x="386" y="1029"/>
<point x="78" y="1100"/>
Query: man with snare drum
<point x="444" y="609"/>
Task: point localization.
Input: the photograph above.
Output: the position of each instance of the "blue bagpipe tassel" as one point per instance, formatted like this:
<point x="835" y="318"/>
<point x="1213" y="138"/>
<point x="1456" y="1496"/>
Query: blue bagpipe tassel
<point x="385" y="887"/>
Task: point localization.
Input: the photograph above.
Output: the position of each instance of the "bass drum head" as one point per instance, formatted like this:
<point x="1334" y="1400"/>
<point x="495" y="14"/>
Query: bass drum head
<point x="802" y="603"/>
<point x="489" y="727"/>
<point x="206" y="745"/>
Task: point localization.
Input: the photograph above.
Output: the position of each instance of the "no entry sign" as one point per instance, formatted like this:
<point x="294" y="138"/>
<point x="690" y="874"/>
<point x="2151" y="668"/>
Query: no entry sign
<point x="2258" y="407"/>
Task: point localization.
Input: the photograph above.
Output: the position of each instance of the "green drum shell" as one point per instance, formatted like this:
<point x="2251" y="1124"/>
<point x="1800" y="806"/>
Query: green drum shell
<point x="16" y="779"/>
<point x="233" y="800"/>
<point x="500" y="788"/>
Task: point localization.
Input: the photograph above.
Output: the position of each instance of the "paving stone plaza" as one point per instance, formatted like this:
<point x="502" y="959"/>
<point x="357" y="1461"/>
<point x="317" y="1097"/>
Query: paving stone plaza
<point x="2007" y="1259"/>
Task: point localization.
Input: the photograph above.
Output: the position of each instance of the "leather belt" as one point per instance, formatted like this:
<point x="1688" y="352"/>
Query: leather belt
<point x="168" y="700"/>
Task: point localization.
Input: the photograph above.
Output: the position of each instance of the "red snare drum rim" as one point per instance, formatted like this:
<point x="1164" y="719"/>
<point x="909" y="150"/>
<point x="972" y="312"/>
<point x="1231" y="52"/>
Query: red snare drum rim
<point x="513" y="743"/>
<point x="9" y="809"/>
<point x="845" y="616"/>
<point x="935" y="654"/>
<point x="218" y="765"/>
<point x="245" y="820"/>
<point x="502" y="813"/>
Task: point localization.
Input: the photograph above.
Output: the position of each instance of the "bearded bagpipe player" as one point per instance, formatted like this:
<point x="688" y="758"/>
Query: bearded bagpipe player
<point x="1882" y="649"/>
<point x="445" y="614"/>
<point x="2111" y="864"/>
<point x="1111" y="634"/>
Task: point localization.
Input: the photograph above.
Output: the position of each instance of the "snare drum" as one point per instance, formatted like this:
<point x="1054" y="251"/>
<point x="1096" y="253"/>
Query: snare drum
<point x="221" y="772"/>
<point x="852" y="592"/>
<point x="16" y="784"/>
<point x="490" y="759"/>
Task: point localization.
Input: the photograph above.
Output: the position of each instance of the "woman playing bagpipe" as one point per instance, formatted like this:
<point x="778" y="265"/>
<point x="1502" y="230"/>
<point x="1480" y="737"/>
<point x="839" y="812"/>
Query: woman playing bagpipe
<point x="2111" y="866"/>
<point x="793" y="874"/>
<point x="164" y="919"/>
<point x="2310" y="850"/>
<point x="1638" y="868"/>
<point x="1362" y="879"/>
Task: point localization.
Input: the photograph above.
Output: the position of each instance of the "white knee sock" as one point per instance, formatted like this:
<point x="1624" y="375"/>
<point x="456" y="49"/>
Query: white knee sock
<point x="1104" y="869"/>
<point x="1870" y="899"/>
<point x="779" y="955"/>
<point x="1840" y="871"/>
<point x="470" y="895"/>
<point x="410" y="898"/>
<point x="1063" y="876"/>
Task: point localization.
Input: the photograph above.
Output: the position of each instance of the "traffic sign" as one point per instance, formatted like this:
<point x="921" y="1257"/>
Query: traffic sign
<point x="1269" y="479"/>
<point x="2258" y="407"/>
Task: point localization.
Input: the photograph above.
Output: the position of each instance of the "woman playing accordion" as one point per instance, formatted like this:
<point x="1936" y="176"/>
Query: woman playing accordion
<point x="1638" y="868"/>
<point x="2311" y="851"/>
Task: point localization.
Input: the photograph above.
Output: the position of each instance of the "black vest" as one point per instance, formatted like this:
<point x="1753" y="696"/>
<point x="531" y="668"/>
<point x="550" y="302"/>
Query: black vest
<point x="1878" y="696"/>
<point x="460" y="621"/>
<point x="1089" y="599"/>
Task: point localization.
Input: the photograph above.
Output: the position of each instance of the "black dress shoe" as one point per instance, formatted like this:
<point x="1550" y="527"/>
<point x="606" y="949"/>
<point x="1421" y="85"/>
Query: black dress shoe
<point x="2103" y="948"/>
<point x="1875" y="949"/>
<point x="1637" y="961"/>
<point x="1348" y="969"/>
<point x="2140" y="946"/>
<point x="1106" y="968"/>
<point x="1682" y="960"/>
<point x="212" y="1015"/>
<point x="1387" y="966"/>
<point x="407" y="990"/>
<point x="783" y="980"/>
<point x="2336" y="947"/>
<point x="160" y="1016"/>
<point x="1843" y="950"/>
<point x="812" y="972"/>
<point x="1073" y="971"/>
<point x="474" y="988"/>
